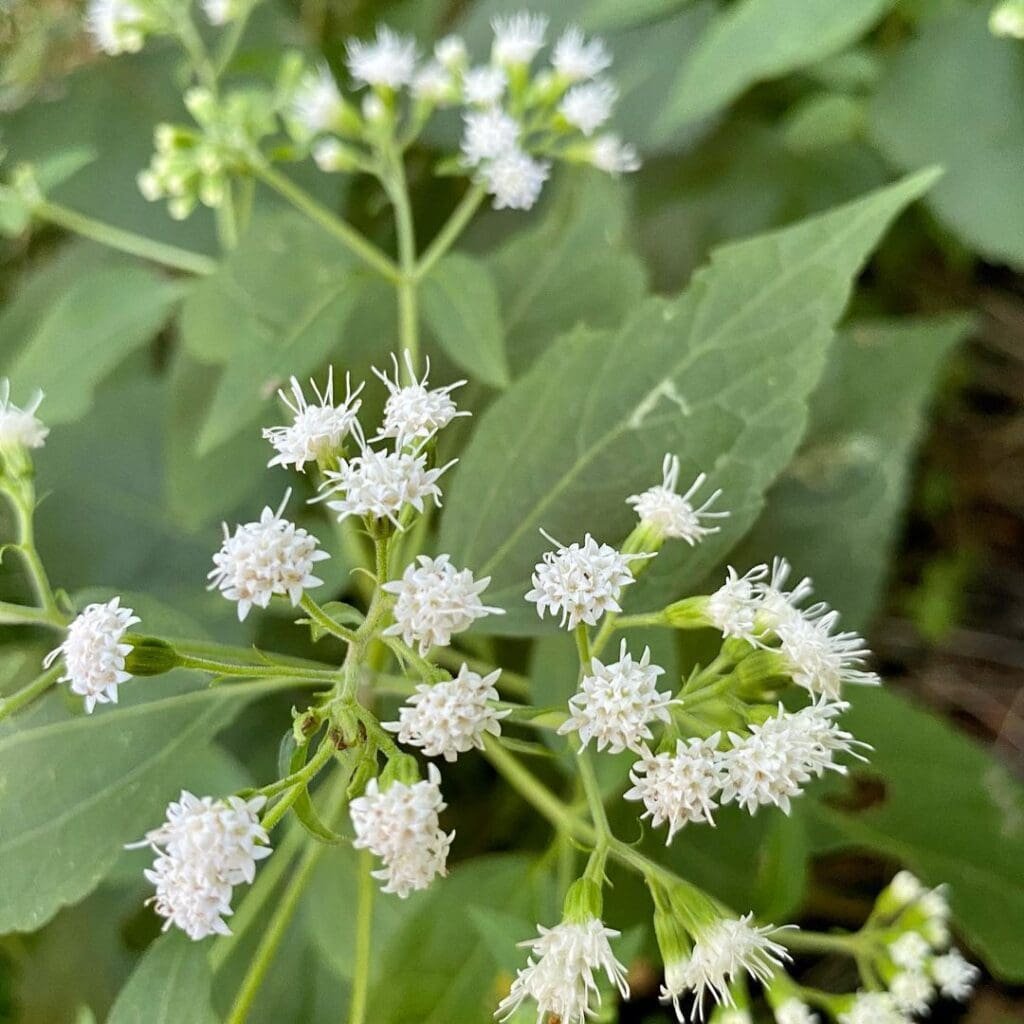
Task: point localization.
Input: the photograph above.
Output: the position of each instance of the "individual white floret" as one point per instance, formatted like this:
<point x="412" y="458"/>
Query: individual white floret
<point x="674" y="515"/>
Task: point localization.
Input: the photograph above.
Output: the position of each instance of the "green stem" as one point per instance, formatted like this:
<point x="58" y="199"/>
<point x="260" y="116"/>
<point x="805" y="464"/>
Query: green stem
<point x="454" y="227"/>
<point x="818" y="942"/>
<point x="364" y="938"/>
<point x="324" y="753"/>
<point x="232" y="38"/>
<point x="324" y="621"/>
<point x="595" y="801"/>
<point x="583" y="647"/>
<point x="19" y="615"/>
<point x="227" y="225"/>
<point x="124" y="241"/>
<point x="28" y="693"/>
<point x="408" y="315"/>
<point x="225" y="668"/>
<point x="21" y="496"/>
<point x="347" y="235"/>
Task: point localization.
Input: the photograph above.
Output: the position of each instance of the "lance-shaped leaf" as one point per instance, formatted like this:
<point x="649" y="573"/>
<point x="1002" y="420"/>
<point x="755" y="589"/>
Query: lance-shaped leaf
<point x="720" y="376"/>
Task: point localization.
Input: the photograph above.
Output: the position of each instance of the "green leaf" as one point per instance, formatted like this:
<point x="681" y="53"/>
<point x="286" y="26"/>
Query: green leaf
<point x="850" y="478"/>
<point x="950" y="813"/>
<point x="460" y="305"/>
<point x="920" y="112"/>
<point x="756" y="40"/>
<point x="171" y="985"/>
<point x="822" y="121"/>
<point x="73" y="792"/>
<point x="99" y="320"/>
<point x="720" y="375"/>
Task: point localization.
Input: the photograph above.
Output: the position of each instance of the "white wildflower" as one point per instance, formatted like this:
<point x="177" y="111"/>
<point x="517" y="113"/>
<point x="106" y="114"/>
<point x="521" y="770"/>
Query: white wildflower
<point x="515" y="180"/>
<point x="674" y="515"/>
<point x="1007" y="19"/>
<point x="575" y="58"/>
<point x="777" y="604"/>
<point x="417" y="411"/>
<point x="680" y="787"/>
<point x="935" y="906"/>
<point x="264" y="558"/>
<point x="795" y="1011"/>
<point x="588" y="106"/>
<point x="906" y="888"/>
<point x="873" y="1008"/>
<point x="734" y="606"/>
<point x="20" y="427"/>
<point x="317" y="430"/>
<point x="484" y="86"/>
<point x="559" y="972"/>
<point x="450" y="51"/>
<point x="332" y="156"/>
<point x="188" y="898"/>
<point x="94" y="654"/>
<point x="220" y="12"/>
<point x="117" y="26"/>
<point x="955" y="977"/>
<point x="910" y="951"/>
<point x="433" y="83"/>
<point x="518" y="37"/>
<point x="447" y="719"/>
<point x="580" y="583"/>
<point x="389" y="61"/>
<point x="400" y="825"/>
<point x="317" y="105"/>
<point x="488" y="134"/>
<point x="613" y="156"/>
<point x="616" y="703"/>
<point x="433" y="600"/>
<point x="913" y="992"/>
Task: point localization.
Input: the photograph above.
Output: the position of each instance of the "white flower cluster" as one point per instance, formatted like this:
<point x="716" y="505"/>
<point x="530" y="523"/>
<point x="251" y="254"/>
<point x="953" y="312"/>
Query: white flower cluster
<point x="94" y="652"/>
<point x="447" y="719"/>
<point x="560" y="972"/>
<point x="414" y="413"/>
<point x="433" y="600"/>
<point x="726" y="951"/>
<point x="264" y="558"/>
<point x="616" y="703"/>
<point x="118" y="26"/>
<point x="756" y="607"/>
<point x="795" y="1011"/>
<point x="204" y="849"/>
<point x="400" y="825"/>
<point x="674" y="515"/>
<point x="20" y="428"/>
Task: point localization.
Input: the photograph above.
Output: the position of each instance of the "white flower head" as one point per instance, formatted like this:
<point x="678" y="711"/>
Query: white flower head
<point x="610" y="154"/>
<point x="20" y="427"/>
<point x="1007" y="19"/>
<point x="447" y="719"/>
<point x="934" y="904"/>
<point x="674" y="515"/>
<point x="117" y="26"/>
<point x="450" y="51"/>
<point x="576" y="58"/>
<point x="263" y="558"/>
<point x="678" y="788"/>
<point x="515" y="180"/>
<point x="434" y="600"/>
<point x="317" y="104"/>
<point x="795" y="1011"/>
<point x="955" y="977"/>
<point x="318" y="430"/>
<point x="382" y="485"/>
<point x="910" y="951"/>
<point x="581" y="582"/>
<point x="873" y="1008"/>
<point x="433" y="83"/>
<point x="559" y="972"/>
<point x="188" y="898"/>
<point x="776" y="604"/>
<point x="389" y="61"/>
<point x="734" y="606"/>
<point x="94" y="652"/>
<point x="589" y="106"/>
<point x="333" y="156"/>
<point x="400" y="825"/>
<point x="484" y="86"/>
<point x="220" y="12"/>
<point x="488" y="134"/>
<point x="906" y="888"/>
<point x="913" y="992"/>
<point x="616" y="703"/>
<point x="517" y="37"/>
<point x="416" y="411"/>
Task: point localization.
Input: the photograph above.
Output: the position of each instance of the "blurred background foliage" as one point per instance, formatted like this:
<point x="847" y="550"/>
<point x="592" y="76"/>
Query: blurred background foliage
<point x="905" y="501"/>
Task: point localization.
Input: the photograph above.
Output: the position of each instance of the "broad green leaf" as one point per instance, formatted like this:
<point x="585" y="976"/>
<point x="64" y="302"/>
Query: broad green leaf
<point x="720" y="376"/>
<point x="460" y="305"/>
<point x="822" y="121"/>
<point x="922" y="112"/>
<point x="756" y="40"/>
<point x="99" y="320"/>
<point x="850" y="478"/>
<point x="73" y="792"/>
<point x="950" y="813"/>
<point x="573" y="267"/>
<point x="171" y="985"/>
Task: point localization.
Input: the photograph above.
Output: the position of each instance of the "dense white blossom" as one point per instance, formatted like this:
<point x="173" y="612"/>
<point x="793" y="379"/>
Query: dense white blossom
<point x="317" y="105"/>
<point x="318" y="429"/>
<point x="910" y="951"/>
<point x="484" y="86"/>
<point x="94" y="654"/>
<point x="1007" y="19"/>
<point x="388" y="61"/>
<point x="517" y="37"/>
<point x="906" y="888"/>
<point x="913" y="992"/>
<point x="331" y="155"/>
<point x="433" y="83"/>
<point x="447" y="719"/>
<point x="220" y="12"/>
<point x="576" y="58"/>
<point x="954" y="976"/>
<point x="560" y="972"/>
<point x="617" y="702"/>
<point x="433" y="600"/>
<point x="382" y="485"/>
<point x="581" y="582"/>
<point x="488" y="134"/>
<point x="776" y="603"/>
<point x="734" y="606"/>
<point x="935" y="906"/>
<point x="589" y="106"/>
<point x="450" y="51"/>
<point x="263" y="558"/>
<point x="795" y="1011"/>
<point x="873" y="1008"/>
<point x="515" y="180"/>
<point x="400" y="825"/>
<point x="117" y="26"/>
<point x="613" y="156"/>
<point x="416" y="411"/>
<point x="20" y="427"/>
<point x="674" y="515"/>
<point x="678" y="787"/>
